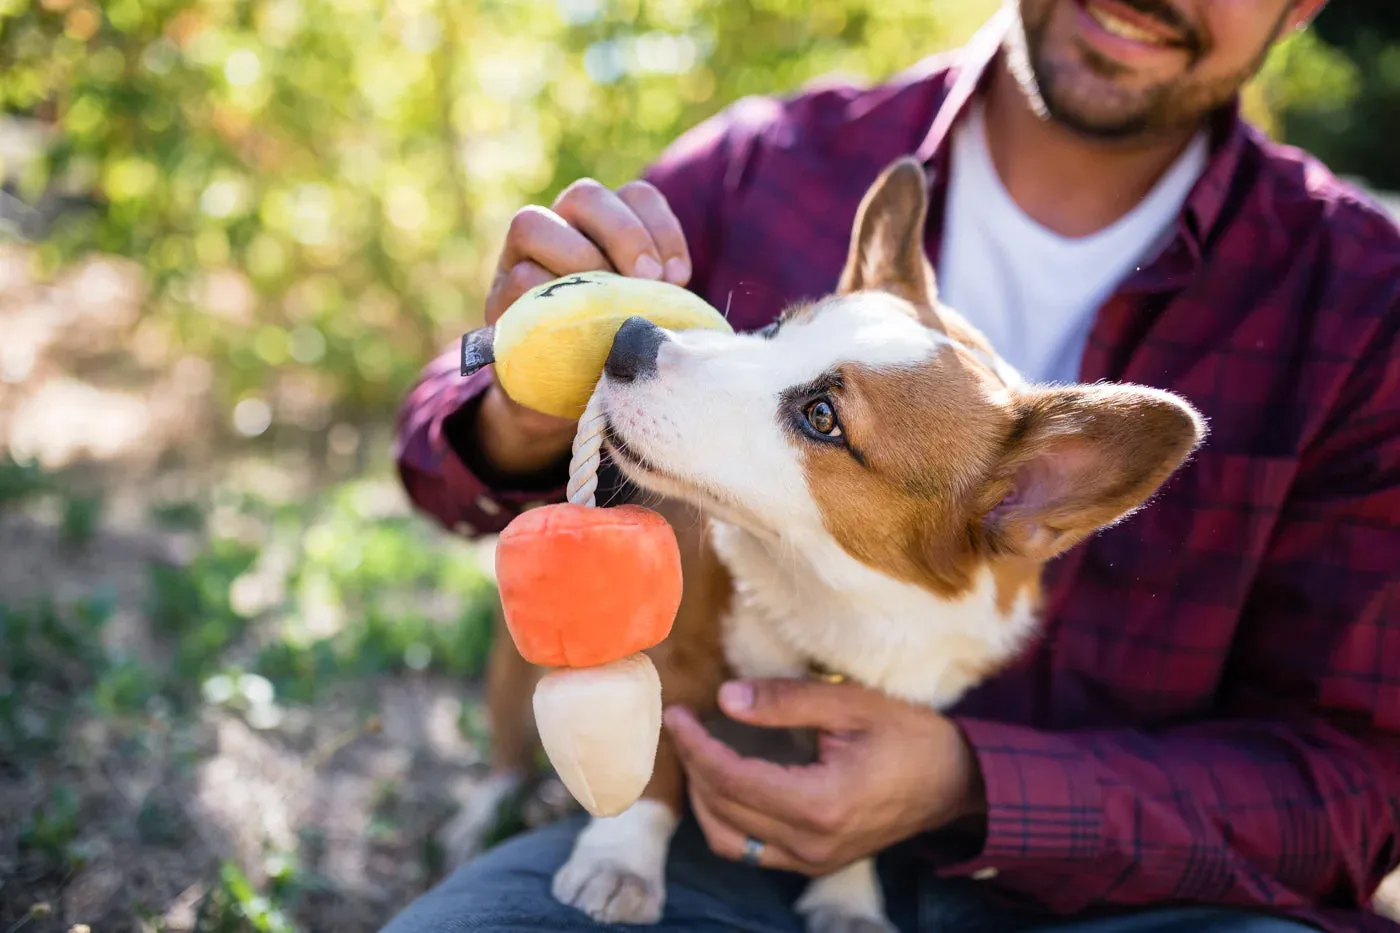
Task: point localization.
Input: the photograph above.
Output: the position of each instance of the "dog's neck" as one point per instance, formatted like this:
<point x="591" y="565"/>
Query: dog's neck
<point x="810" y="605"/>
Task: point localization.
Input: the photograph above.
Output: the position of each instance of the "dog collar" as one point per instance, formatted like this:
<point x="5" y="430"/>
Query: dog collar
<point x="819" y="671"/>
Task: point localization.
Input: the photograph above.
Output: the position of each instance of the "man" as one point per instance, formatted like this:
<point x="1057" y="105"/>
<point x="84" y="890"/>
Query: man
<point x="1206" y="737"/>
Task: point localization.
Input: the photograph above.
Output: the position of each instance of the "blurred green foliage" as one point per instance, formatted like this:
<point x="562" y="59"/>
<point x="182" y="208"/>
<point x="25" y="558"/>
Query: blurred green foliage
<point x="18" y="481"/>
<point x="235" y="905"/>
<point x="52" y="829"/>
<point x="48" y="655"/>
<point x="391" y="596"/>
<point x="317" y="188"/>
<point x="191" y="604"/>
<point x="1354" y="125"/>
<point x="331" y="590"/>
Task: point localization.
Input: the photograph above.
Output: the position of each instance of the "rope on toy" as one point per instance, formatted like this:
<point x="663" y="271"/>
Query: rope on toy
<point x="588" y="446"/>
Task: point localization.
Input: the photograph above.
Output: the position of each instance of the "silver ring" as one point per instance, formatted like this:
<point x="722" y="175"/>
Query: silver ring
<point x="753" y="851"/>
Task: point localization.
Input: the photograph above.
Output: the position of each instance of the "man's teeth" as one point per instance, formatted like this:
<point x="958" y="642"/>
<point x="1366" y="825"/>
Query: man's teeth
<point x="1121" y="27"/>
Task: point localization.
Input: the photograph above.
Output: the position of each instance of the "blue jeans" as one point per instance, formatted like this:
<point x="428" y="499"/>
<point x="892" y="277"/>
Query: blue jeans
<point x="506" y="890"/>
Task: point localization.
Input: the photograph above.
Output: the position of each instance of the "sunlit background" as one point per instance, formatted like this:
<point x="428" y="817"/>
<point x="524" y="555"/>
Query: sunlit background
<point x="238" y="679"/>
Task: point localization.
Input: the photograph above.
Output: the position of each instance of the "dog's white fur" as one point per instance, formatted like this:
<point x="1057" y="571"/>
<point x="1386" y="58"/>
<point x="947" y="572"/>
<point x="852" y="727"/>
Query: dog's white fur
<point x="617" y="870"/>
<point x="849" y="899"/>
<point x="807" y="600"/>
<point x="707" y="421"/>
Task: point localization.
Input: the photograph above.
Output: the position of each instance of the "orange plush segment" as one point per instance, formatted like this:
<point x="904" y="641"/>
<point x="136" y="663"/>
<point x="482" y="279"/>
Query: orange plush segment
<point x="583" y="586"/>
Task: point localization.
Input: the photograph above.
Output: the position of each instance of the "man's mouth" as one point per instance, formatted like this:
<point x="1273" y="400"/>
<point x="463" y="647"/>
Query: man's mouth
<point x="1134" y="25"/>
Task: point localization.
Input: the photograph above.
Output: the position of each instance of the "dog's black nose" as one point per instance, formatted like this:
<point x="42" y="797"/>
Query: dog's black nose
<point x="634" y="349"/>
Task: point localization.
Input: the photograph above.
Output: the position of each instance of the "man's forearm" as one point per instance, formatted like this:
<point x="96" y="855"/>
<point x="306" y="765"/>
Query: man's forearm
<point x="440" y="457"/>
<point x="509" y="442"/>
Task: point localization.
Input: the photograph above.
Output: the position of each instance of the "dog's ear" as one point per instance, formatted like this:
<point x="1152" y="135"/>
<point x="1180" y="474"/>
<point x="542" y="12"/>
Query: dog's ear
<point x="887" y="242"/>
<point x="1083" y="458"/>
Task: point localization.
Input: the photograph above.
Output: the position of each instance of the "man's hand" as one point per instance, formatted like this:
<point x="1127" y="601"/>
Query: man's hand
<point x="887" y="771"/>
<point x="631" y="231"/>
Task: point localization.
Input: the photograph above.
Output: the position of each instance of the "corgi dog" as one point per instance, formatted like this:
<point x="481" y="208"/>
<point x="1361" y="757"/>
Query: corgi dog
<point x="864" y="488"/>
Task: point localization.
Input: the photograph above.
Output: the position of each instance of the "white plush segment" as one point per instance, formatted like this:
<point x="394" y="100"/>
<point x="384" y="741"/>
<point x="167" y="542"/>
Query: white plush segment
<point x="600" y="727"/>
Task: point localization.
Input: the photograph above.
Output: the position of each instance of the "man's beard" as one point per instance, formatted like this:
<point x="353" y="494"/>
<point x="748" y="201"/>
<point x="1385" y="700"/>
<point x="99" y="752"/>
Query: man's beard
<point x="1154" y="111"/>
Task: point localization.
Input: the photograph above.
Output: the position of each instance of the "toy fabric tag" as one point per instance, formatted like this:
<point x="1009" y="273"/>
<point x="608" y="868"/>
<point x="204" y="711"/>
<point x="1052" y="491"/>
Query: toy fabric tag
<point x="478" y="349"/>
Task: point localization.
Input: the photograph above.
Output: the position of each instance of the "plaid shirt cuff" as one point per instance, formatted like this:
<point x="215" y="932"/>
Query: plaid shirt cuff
<point x="434" y="427"/>
<point x="1044" y="802"/>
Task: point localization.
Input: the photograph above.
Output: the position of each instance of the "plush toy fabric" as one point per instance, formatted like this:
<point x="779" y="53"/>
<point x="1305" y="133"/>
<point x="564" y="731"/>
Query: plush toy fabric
<point x="550" y="345"/>
<point x="584" y="586"/>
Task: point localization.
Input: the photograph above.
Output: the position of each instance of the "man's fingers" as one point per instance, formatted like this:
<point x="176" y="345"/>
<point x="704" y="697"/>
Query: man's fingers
<point x="607" y="220"/>
<point x="632" y="231"/>
<point x="792" y="831"/>
<point x="543" y="237"/>
<point x="517" y="280"/>
<point x="796" y="704"/>
<point x="785" y="792"/>
<point x="656" y="215"/>
<point x="728" y="842"/>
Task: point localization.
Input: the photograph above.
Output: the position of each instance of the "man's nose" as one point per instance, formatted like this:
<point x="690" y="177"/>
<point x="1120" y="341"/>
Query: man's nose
<point x="634" y="348"/>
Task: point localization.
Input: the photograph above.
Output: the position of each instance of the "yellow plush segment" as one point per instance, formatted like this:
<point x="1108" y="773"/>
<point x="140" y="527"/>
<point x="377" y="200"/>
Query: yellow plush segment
<point x="551" y="344"/>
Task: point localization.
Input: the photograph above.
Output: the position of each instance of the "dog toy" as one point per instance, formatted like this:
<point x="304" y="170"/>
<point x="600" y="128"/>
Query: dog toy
<point x="550" y="345"/>
<point x="586" y="590"/>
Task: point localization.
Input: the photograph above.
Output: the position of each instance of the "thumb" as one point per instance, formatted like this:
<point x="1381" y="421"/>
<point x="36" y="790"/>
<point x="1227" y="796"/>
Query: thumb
<point x="794" y="704"/>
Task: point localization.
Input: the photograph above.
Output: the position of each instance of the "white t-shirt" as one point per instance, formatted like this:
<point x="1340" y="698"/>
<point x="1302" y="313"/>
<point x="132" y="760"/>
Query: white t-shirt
<point x="1033" y="292"/>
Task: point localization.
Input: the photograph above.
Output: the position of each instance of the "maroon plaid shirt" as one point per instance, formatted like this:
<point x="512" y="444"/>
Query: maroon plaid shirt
<point x="1213" y="714"/>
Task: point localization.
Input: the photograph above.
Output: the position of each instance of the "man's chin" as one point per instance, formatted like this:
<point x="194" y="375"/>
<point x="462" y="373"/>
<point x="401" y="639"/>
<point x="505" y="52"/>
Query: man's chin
<point x="1092" y="105"/>
<point x="1098" y="126"/>
<point x="1081" y="91"/>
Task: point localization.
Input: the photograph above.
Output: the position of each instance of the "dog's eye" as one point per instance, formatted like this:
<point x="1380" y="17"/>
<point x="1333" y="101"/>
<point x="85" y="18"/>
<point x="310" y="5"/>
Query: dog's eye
<point x="771" y="331"/>
<point x="822" y="417"/>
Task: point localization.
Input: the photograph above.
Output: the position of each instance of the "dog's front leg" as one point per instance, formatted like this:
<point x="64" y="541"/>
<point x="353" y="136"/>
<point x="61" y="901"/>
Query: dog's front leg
<point x="617" y="871"/>
<point x="848" y="900"/>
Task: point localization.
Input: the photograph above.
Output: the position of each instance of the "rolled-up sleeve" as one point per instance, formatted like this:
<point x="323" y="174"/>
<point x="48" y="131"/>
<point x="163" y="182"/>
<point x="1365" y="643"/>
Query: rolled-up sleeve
<point x="434" y="426"/>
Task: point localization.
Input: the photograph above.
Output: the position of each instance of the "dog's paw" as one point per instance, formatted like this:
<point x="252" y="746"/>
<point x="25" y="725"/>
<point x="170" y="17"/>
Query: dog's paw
<point x="845" y="901"/>
<point x="617" y="871"/>
<point x="837" y="920"/>
<point x="608" y="891"/>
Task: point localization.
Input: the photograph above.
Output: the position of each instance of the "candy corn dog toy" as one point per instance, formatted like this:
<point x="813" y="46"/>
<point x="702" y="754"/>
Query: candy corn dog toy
<point x="586" y="590"/>
<point x="549" y="347"/>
